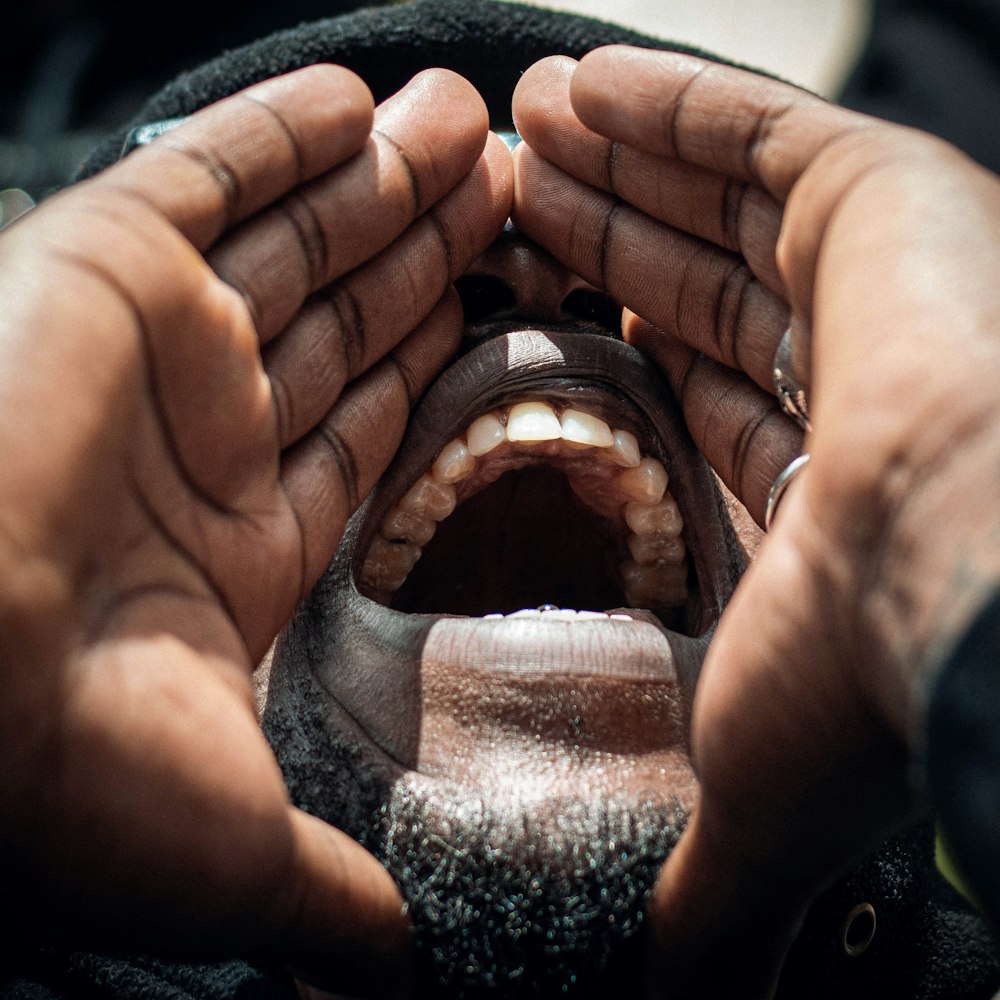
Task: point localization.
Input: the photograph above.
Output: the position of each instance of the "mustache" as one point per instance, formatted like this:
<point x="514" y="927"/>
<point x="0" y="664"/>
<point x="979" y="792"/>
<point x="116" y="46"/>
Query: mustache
<point x="517" y="903"/>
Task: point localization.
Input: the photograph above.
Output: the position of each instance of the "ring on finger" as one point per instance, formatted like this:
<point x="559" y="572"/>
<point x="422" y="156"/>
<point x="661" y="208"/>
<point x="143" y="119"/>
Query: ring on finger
<point x="780" y="484"/>
<point x="791" y="393"/>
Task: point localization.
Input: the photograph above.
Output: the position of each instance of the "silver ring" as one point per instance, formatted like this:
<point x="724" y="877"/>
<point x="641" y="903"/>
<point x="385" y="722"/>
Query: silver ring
<point x="783" y="481"/>
<point x="790" y="392"/>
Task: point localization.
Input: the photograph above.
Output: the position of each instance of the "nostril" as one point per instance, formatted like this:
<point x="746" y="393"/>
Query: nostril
<point x="595" y="307"/>
<point x="484" y="296"/>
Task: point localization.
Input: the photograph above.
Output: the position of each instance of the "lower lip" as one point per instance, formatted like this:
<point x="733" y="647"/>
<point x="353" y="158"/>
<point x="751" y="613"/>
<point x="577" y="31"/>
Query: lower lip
<point x="634" y="650"/>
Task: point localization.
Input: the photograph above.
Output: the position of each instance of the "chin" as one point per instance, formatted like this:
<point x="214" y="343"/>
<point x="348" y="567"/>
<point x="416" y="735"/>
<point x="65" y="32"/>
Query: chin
<point x="499" y="663"/>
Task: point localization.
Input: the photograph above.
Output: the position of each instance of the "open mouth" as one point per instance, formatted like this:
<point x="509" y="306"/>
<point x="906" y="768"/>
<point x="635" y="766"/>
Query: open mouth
<point x="548" y="476"/>
<point x="547" y="516"/>
<point x="582" y="516"/>
<point x="509" y="635"/>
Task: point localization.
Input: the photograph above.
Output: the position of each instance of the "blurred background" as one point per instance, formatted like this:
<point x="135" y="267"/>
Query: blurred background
<point x="73" y="70"/>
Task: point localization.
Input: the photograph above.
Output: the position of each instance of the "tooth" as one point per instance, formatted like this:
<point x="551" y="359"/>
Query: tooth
<point x="530" y="613"/>
<point x="624" y="450"/>
<point x="484" y="434"/>
<point x="533" y="422"/>
<point x="559" y="615"/>
<point x="428" y="498"/>
<point x="665" y="550"/>
<point x="663" y="518"/>
<point x="583" y="428"/>
<point x="618" y="616"/>
<point x="663" y="585"/>
<point x="647" y="482"/>
<point x="388" y="564"/>
<point x="453" y="463"/>
<point x="409" y="527"/>
<point x="591" y="616"/>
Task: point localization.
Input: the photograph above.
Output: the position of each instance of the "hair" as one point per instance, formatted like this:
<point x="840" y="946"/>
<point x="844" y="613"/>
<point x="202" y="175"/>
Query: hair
<point x="530" y="904"/>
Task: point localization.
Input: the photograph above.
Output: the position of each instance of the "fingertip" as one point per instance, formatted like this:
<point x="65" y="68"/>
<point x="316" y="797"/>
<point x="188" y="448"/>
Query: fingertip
<point x="627" y="93"/>
<point x="454" y="95"/>
<point x="500" y="163"/>
<point x="345" y="925"/>
<point x="534" y="180"/>
<point x="536" y="93"/>
<point x="335" y="106"/>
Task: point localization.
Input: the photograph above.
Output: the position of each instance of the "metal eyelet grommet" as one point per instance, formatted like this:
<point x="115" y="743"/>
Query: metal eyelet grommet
<point x="859" y="930"/>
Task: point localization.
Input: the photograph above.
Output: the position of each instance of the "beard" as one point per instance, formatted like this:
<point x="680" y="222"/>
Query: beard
<point x="508" y="897"/>
<point x="522" y="902"/>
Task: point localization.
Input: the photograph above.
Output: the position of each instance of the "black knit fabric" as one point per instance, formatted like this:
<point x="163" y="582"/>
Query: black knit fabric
<point x="489" y="43"/>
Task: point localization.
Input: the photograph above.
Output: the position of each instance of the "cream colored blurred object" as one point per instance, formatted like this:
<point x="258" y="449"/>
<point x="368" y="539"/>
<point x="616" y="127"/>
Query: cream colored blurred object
<point x="813" y="43"/>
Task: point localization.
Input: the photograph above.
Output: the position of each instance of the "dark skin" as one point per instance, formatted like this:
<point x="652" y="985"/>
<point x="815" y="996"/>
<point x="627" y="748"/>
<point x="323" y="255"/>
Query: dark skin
<point x="182" y="450"/>
<point x="183" y="445"/>
<point x="728" y="206"/>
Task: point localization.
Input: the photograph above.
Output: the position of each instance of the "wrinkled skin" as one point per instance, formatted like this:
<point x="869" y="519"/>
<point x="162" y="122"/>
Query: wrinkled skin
<point x="182" y="491"/>
<point x="196" y="451"/>
<point x="879" y="240"/>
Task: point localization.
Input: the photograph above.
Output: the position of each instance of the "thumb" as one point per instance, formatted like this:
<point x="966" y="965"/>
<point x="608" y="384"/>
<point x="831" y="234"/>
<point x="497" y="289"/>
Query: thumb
<point x="799" y="775"/>
<point x="343" y="924"/>
<point x="715" y="926"/>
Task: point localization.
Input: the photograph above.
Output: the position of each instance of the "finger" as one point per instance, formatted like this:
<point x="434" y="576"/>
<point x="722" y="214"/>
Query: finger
<point x="732" y="121"/>
<point x="713" y="927"/>
<point x="739" y="429"/>
<point x="346" y="926"/>
<point x="330" y="471"/>
<point x="346" y="328"/>
<point x="779" y="720"/>
<point x="234" y="157"/>
<point x="425" y="140"/>
<point x="723" y="210"/>
<point x="704" y="295"/>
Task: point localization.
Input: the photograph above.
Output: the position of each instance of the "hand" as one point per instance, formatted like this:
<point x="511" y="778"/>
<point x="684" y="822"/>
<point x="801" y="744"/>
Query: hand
<point x="721" y="207"/>
<point x="208" y="354"/>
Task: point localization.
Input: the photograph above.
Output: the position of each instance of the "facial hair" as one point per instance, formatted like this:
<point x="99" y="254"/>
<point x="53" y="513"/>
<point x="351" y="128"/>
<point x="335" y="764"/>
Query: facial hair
<point x="522" y="903"/>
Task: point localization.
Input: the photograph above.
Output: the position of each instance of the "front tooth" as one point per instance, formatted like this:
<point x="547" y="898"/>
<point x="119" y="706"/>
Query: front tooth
<point x="663" y="518"/>
<point x="533" y="422"/>
<point x="388" y="564"/>
<point x="659" y="585"/>
<point x="410" y="527"/>
<point x="559" y="615"/>
<point x="647" y="482"/>
<point x="484" y="434"/>
<point x="624" y="449"/>
<point x="648" y="550"/>
<point x="583" y="428"/>
<point x="453" y="463"/>
<point x="428" y="498"/>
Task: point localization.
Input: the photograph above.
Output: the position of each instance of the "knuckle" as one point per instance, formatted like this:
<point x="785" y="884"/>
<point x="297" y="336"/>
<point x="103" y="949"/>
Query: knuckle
<point x="310" y="236"/>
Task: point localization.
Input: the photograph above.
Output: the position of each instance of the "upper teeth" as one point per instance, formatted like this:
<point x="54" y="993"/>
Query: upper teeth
<point x="657" y="572"/>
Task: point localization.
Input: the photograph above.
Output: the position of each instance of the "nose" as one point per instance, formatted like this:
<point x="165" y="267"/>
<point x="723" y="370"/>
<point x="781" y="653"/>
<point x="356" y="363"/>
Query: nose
<point x="516" y="280"/>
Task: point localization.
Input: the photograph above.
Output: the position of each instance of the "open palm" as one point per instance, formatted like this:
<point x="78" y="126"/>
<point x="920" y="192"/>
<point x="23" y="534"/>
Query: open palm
<point x="208" y="354"/>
